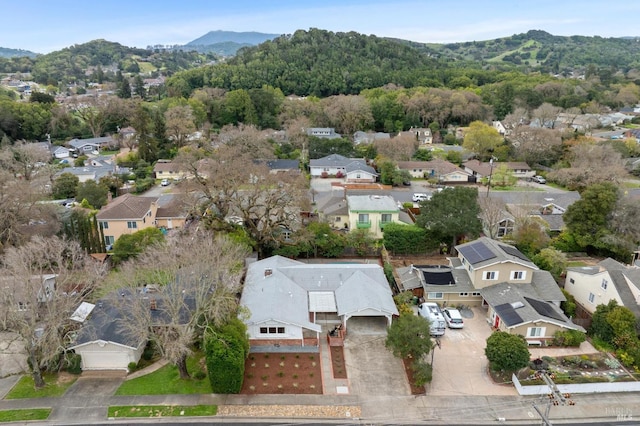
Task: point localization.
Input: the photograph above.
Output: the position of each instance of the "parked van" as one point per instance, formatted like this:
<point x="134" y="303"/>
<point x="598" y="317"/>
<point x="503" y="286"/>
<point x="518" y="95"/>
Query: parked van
<point x="418" y="196"/>
<point x="431" y="311"/>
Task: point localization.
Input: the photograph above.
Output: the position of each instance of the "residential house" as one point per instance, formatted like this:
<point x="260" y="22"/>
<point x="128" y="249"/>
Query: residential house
<point x="421" y="134"/>
<point x="60" y="152"/>
<point x="361" y="137"/>
<point x="441" y="170"/>
<point x="127" y="214"/>
<point x="355" y="169"/>
<point x="480" y="169"/>
<point x="372" y="212"/>
<point x="83" y="146"/>
<point x="281" y="166"/>
<point x="499" y="127"/>
<point x="315" y="295"/>
<point x="323" y="132"/>
<point x="166" y="169"/>
<point x="334" y="210"/>
<point x="520" y="298"/>
<point x="597" y="285"/>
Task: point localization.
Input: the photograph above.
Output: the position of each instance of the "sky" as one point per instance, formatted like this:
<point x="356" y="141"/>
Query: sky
<point x="43" y="26"/>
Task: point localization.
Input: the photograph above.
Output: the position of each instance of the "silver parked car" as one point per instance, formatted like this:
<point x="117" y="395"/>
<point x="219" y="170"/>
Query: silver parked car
<point x="453" y="318"/>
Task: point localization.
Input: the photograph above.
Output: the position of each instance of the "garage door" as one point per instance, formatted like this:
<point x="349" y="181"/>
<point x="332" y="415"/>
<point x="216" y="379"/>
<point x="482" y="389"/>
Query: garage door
<point x="104" y="360"/>
<point x="375" y="325"/>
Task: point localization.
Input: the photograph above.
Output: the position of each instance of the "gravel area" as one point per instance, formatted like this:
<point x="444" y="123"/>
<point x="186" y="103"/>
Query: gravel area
<point x="304" y="411"/>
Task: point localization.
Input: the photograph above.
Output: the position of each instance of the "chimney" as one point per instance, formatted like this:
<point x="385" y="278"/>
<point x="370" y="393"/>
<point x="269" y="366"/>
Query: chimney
<point x="152" y="304"/>
<point x="109" y="197"/>
<point x="268" y="272"/>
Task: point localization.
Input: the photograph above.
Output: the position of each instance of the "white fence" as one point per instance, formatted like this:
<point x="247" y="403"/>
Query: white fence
<point x="578" y="387"/>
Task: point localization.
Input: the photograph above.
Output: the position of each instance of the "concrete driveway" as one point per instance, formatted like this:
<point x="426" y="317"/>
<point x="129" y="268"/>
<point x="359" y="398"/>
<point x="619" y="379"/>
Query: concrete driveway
<point x="13" y="357"/>
<point x="372" y="369"/>
<point x="460" y="366"/>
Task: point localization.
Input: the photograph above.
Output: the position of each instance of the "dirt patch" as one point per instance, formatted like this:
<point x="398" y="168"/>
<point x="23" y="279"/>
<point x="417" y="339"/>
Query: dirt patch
<point x="337" y="362"/>
<point x="415" y="389"/>
<point x="64" y="377"/>
<point x="436" y="259"/>
<point x="282" y="373"/>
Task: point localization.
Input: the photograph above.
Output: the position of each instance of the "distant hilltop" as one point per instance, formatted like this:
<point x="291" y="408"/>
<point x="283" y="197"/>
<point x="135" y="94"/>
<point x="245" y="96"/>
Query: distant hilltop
<point x="214" y="37"/>
<point x="6" y="52"/>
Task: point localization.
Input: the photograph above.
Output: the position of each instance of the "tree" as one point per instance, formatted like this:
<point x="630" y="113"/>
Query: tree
<point x="138" y="84"/>
<point x="587" y="218"/>
<point x="451" y="214"/>
<point x="47" y="278"/>
<point x="546" y="115"/>
<point x="552" y="260"/>
<point x="94" y="193"/>
<point x="198" y="277"/>
<point x="482" y="140"/>
<point x="590" y="163"/>
<point x="507" y="352"/>
<point x="225" y="357"/>
<point x="503" y="176"/>
<point x="179" y="124"/>
<point x="403" y="239"/>
<point x="492" y="212"/>
<point x="361" y="240"/>
<point x="536" y="144"/>
<point x="85" y="229"/>
<point x="124" y="89"/>
<point x="65" y="186"/>
<point x="529" y="235"/>
<point x="600" y="327"/>
<point x="408" y="337"/>
<point x="400" y="148"/>
<point x="131" y="245"/>
<point x="348" y="113"/>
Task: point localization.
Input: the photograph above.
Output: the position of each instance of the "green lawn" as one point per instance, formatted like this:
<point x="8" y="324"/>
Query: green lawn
<point x="576" y="264"/>
<point x="22" y="415"/>
<point x="53" y="387"/>
<point x="167" y="381"/>
<point x="119" y="411"/>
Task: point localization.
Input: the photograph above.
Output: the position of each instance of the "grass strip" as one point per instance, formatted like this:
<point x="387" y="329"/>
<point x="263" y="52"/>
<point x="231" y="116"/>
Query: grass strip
<point x="121" y="411"/>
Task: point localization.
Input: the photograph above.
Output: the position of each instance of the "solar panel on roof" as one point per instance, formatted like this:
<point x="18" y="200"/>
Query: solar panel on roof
<point x="514" y="252"/>
<point x="508" y="315"/>
<point x="476" y="252"/>
<point x="544" y="309"/>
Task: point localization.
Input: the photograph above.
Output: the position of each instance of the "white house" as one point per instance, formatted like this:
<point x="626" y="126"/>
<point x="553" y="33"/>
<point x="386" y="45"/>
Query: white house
<point x="355" y="169"/>
<point x="289" y="301"/>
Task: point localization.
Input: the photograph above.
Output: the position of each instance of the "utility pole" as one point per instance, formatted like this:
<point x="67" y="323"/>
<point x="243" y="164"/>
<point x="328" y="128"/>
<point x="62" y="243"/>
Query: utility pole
<point x="555" y="397"/>
<point x="490" y="175"/>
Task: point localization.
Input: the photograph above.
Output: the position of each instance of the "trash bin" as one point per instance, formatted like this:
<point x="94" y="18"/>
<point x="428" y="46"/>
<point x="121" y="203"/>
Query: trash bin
<point x="415" y="300"/>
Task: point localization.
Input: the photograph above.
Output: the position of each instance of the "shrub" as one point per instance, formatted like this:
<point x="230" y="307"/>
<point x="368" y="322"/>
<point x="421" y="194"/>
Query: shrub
<point x="225" y="356"/>
<point x="74" y="363"/>
<point x="200" y="375"/>
<point x="568" y="338"/>
<point x="508" y="352"/>
<point x="422" y="372"/>
<point x="133" y="366"/>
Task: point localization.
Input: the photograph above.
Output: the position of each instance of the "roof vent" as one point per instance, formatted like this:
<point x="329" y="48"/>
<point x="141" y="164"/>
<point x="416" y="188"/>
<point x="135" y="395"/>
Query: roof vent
<point x="516" y="305"/>
<point x="268" y="272"/>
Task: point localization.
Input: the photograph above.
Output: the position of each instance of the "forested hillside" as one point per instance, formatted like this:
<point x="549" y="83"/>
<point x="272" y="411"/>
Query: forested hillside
<point x="540" y="49"/>
<point x="72" y="63"/>
<point x="319" y="63"/>
<point x="16" y="53"/>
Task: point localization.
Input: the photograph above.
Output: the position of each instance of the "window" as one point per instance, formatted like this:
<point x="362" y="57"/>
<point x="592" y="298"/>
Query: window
<point x="132" y="225"/>
<point x="592" y="297"/>
<point x="22" y="306"/>
<point x="491" y="275"/>
<point x="604" y="284"/>
<point x="518" y="275"/>
<point x="464" y="294"/>
<point x="109" y="240"/>
<point x="386" y="217"/>
<point x="363" y="218"/>
<point x="572" y="281"/>
<point x="435" y="295"/>
<point x="535" y="331"/>
<point x="475" y="293"/>
<point x="358" y="176"/>
<point x="337" y="218"/>
<point x="271" y="330"/>
<point x="105" y="225"/>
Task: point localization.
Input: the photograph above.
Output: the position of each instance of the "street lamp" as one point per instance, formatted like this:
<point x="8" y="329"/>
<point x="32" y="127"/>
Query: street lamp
<point x="490" y="175"/>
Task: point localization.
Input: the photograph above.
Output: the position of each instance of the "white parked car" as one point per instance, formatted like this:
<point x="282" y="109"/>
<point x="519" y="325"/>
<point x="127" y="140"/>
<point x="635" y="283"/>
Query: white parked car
<point x="539" y="179"/>
<point x="419" y="196"/>
<point x="431" y="311"/>
<point x="453" y="318"/>
<point x="165" y="182"/>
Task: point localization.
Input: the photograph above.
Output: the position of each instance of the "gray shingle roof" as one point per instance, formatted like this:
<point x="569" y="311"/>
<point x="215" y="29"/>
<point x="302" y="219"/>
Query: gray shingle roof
<point x="371" y="203"/>
<point x="79" y="143"/>
<point x="335" y="160"/>
<point x="126" y="206"/>
<point x="355" y="286"/>
<point x="502" y="296"/>
<point x="499" y="253"/>
<point x="619" y="274"/>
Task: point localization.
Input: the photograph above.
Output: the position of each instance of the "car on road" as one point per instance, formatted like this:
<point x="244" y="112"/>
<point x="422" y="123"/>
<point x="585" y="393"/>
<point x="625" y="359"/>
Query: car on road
<point x="538" y="179"/>
<point x="453" y="318"/>
<point x="419" y="196"/>
<point x="165" y="182"/>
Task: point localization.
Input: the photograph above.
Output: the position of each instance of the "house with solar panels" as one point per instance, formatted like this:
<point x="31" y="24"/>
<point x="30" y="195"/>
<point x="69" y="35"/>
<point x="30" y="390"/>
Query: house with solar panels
<point x="518" y="296"/>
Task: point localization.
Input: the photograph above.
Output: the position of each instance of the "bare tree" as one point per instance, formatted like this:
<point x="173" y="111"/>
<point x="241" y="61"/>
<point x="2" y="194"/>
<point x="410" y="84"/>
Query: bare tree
<point x="44" y="282"/>
<point x="536" y="145"/>
<point x="180" y="124"/>
<point x="180" y="289"/>
<point x="492" y="211"/>
<point x="591" y="163"/>
<point x="348" y="113"/>
<point x="400" y="148"/>
<point x="247" y="140"/>
<point x="546" y="114"/>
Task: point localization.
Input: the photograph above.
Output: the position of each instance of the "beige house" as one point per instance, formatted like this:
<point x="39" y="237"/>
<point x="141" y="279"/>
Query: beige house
<point x="372" y="212"/>
<point x="441" y="170"/>
<point x="597" y="285"/>
<point x="165" y="169"/>
<point x="519" y="297"/>
<point x="128" y="214"/>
